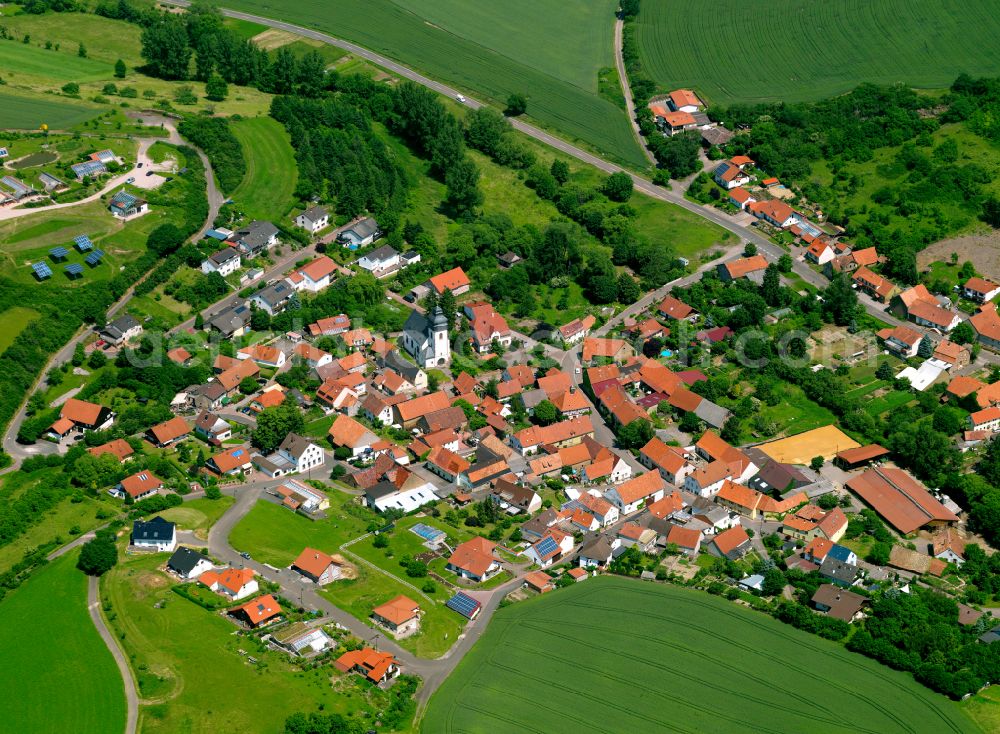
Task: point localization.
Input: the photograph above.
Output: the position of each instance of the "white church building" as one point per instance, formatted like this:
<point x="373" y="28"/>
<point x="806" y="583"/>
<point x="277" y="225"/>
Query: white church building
<point x="426" y="340"/>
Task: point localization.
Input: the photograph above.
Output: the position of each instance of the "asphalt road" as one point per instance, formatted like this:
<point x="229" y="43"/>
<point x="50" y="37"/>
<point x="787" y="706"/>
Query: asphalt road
<point x="131" y="695"/>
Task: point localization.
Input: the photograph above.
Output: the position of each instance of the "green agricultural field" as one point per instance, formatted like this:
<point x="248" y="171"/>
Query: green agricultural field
<point x="15" y="320"/>
<point x="57" y="673"/>
<point x="106" y="40"/>
<point x="549" y="50"/>
<point x="617" y="655"/>
<point x="267" y="188"/>
<point x="60" y="65"/>
<point x="26" y="113"/>
<point x="792" y="50"/>
<point x="187" y="660"/>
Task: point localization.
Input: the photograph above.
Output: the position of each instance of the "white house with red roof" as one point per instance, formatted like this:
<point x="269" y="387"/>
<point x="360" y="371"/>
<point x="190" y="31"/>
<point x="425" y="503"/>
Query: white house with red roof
<point x="729" y="175"/>
<point x="636" y="493"/>
<point x="980" y="290"/>
<point x="486" y="326"/>
<point x="313" y="276"/>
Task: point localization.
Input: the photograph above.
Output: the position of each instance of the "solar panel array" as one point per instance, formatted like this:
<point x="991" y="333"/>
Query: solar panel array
<point x="464" y="605"/>
<point x="94" y="258"/>
<point x="74" y="269"/>
<point x="59" y="252"/>
<point x="83" y="243"/>
<point x="124" y="199"/>
<point x="547" y="546"/>
<point x="42" y="270"/>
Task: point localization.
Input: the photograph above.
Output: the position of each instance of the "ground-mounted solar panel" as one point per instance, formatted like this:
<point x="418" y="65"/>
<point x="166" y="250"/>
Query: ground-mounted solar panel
<point x="94" y="258"/>
<point x="464" y="605"/>
<point x="58" y="253"/>
<point x="74" y="270"/>
<point x="42" y="270"/>
<point x="83" y="243"/>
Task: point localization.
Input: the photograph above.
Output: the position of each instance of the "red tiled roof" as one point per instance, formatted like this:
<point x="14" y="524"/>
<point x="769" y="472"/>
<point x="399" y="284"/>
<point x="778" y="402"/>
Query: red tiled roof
<point x="899" y="498"/>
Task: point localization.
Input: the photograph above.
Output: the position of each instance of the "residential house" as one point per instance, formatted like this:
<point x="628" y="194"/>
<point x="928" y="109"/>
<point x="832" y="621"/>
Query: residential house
<point x="901" y="340"/>
<point x="255" y="238"/>
<point x="171" y="431"/>
<point x="156" y="534"/>
<point x="733" y="543"/>
<point x="259" y="612"/>
<point x="980" y="290"/>
<point x="986" y="323"/>
<point x="400" y="616"/>
<point x="775" y="212"/>
<point x="617" y="350"/>
<point x="672" y="123"/>
<point x="179" y="356"/>
<point x="454" y="280"/>
<point x="487" y="327"/>
<point x="946" y="545"/>
<point x="409" y="412"/>
<point x="231" y="462"/>
<point x="730" y="175"/>
<point x="263" y="354"/>
<point x="232" y="321"/>
<point x="840" y="566"/>
<point x="636" y="493"/>
<point x="274" y="298"/>
<point x="576" y="330"/>
<point x="987" y="419"/>
<point x="317" y="566"/>
<point x="224" y="262"/>
<point x="671" y="461"/>
<point x="684" y="100"/>
<point x="955" y="356"/>
<point x="446" y="464"/>
<point x="551" y="548"/>
<point x="314" y="276"/>
<point x="232" y="583"/>
<point x="303" y="454"/>
<point x="359" y="234"/>
<point x="475" y="560"/>
<point x="632" y="534"/>
<point x="138" y="486"/>
<point x="212" y="428"/>
<point x="597" y="552"/>
<point x="313" y="219"/>
<point x="121" y="331"/>
<point x="377" y="667"/>
<point x="348" y="433"/>
<point x="330" y="326"/>
<point x="838" y="603"/>
<point x="515" y="498"/>
<point x="922" y="308"/>
<point x="538" y="581"/>
<point x="599" y="508"/>
<point x="741" y="198"/>
<point x="313" y="357"/>
<point x="877" y="287"/>
<point x="188" y="564"/>
<point x="561" y="434"/>
<point x="119" y="448"/>
<point x="687" y="540"/>
<point x="743" y="267"/>
<point x="819" y="252"/>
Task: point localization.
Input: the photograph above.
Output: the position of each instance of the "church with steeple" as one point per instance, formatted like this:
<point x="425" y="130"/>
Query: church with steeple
<point x="426" y="339"/>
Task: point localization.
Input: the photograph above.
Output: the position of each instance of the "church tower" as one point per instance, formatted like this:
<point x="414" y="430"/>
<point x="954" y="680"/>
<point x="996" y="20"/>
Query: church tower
<point x="439" y="337"/>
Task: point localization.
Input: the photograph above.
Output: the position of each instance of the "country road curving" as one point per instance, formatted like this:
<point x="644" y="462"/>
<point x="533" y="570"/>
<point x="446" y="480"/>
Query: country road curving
<point x="627" y="90"/>
<point x="131" y="696"/>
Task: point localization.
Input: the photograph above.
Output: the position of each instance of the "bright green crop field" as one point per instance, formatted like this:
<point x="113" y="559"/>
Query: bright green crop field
<point x="619" y="655"/>
<point x="549" y="50"/>
<point x="57" y="674"/>
<point x="26" y="113"/>
<point x="792" y="50"/>
<point x="267" y="187"/>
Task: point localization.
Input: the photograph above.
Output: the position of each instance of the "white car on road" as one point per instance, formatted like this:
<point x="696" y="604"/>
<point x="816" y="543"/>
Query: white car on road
<point x="460" y="98"/>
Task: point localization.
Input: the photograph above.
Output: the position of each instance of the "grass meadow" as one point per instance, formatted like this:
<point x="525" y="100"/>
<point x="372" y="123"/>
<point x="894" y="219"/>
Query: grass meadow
<point x="188" y="664"/>
<point x="548" y="50"/>
<point x="57" y="673"/>
<point x="269" y="183"/>
<point x="793" y="50"/>
<point x="618" y="655"/>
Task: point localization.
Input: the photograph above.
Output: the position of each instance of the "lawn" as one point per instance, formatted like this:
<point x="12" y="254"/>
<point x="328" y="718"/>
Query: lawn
<point x="796" y="412"/>
<point x="752" y="51"/>
<point x="187" y="659"/>
<point x="889" y="401"/>
<point x="198" y="515"/>
<point x="669" y="659"/>
<point x="15" y="320"/>
<point x="57" y="673"/>
<point x="492" y="50"/>
<point x="276" y="535"/>
<point x="17" y="112"/>
<point x="267" y="187"/>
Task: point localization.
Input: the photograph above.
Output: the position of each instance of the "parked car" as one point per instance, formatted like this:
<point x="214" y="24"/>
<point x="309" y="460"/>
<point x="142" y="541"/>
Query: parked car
<point x="130" y="179"/>
<point x="139" y="164"/>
